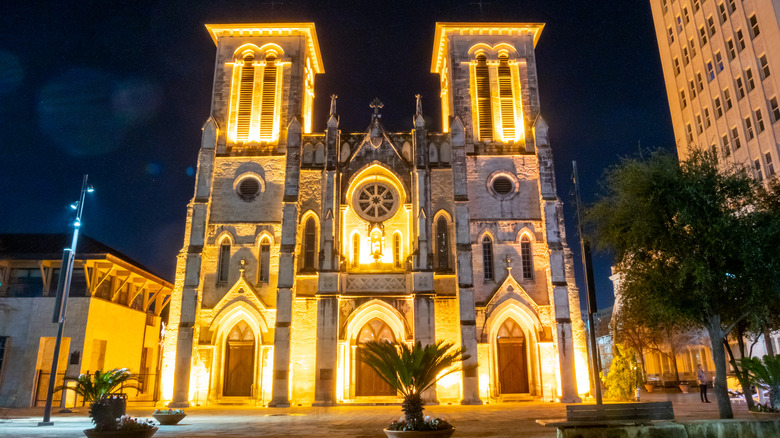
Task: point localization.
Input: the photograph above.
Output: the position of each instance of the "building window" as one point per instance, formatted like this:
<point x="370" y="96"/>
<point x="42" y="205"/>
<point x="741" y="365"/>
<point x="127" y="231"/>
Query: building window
<point x="718" y="108"/>
<point x="268" y="102"/>
<point x="484" y="113"/>
<point x="683" y="102"/>
<point x="245" y="91"/>
<point x="693" y="48"/>
<point x="506" y="99"/>
<point x="224" y="261"/>
<point x="710" y="72"/>
<point x="740" y="40"/>
<point x="248" y="188"/>
<point x="770" y="168"/>
<point x="487" y="258"/>
<point x="732" y="50"/>
<point x="754" y="26"/>
<point x="666" y="6"/>
<point x="759" y="121"/>
<point x="726" y="148"/>
<point x="253" y="114"/>
<point x="723" y="16"/>
<point x="735" y="136"/>
<point x="25" y="283"/>
<point x="686" y="58"/>
<point x="711" y="24"/>
<point x="740" y="88"/>
<point x="751" y="84"/>
<point x="775" y="109"/>
<point x="707" y="122"/>
<point x="764" y="66"/>
<point x="693" y="89"/>
<point x="671" y="35"/>
<point x="676" y="66"/>
<point x="355" y="250"/>
<point x="699" y="81"/>
<point x="679" y="24"/>
<point x="690" y="132"/>
<point x="264" y="261"/>
<point x="397" y="250"/>
<point x="375" y="201"/>
<point x="699" y="126"/>
<point x="719" y="59"/>
<point x="749" y="128"/>
<point x="442" y="245"/>
<point x="687" y="17"/>
<point x="526" y="258"/>
<point x="757" y="165"/>
<point x="727" y="96"/>
<point x="732" y="6"/>
<point x="309" y="244"/>
<point x="695" y="5"/>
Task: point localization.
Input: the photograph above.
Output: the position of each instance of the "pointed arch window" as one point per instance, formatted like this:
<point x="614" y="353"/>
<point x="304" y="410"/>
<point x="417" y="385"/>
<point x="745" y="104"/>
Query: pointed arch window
<point x="245" y="92"/>
<point x="268" y="102"/>
<point x="254" y="109"/>
<point x="506" y="99"/>
<point x="309" y="244"/>
<point x="397" y="250"/>
<point x="487" y="258"/>
<point x="264" y="261"/>
<point x="526" y="258"/>
<point x="442" y="245"/>
<point x="224" y="261"/>
<point x="484" y="113"/>
<point x="355" y="250"/>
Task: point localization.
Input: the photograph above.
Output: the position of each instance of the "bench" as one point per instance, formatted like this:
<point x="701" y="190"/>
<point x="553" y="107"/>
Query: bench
<point x="612" y="414"/>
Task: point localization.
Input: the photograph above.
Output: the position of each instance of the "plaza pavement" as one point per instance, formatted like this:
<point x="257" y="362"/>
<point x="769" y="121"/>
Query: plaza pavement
<point x="492" y="420"/>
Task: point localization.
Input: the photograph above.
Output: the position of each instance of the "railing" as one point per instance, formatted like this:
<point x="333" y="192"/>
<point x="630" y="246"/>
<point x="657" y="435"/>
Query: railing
<point x="144" y="394"/>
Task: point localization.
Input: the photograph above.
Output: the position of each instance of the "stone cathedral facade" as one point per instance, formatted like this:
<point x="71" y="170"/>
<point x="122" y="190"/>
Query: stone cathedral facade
<point x="302" y="245"/>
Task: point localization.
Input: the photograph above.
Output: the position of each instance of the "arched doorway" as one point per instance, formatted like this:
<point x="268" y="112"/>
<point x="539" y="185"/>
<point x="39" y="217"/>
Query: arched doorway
<point x="512" y="365"/>
<point x="239" y="361"/>
<point x="368" y="382"/>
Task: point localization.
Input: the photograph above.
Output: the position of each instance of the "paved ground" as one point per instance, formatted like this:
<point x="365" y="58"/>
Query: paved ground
<point x="495" y="420"/>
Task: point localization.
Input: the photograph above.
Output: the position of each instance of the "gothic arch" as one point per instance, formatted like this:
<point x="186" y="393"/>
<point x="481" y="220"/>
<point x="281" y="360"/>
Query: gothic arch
<point x="530" y="325"/>
<point x="375" y="309"/>
<point x="306" y="241"/>
<point x="492" y="52"/>
<point x="380" y="171"/>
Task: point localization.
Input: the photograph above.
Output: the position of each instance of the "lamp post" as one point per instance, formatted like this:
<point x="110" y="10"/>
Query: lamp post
<point x="63" y="289"/>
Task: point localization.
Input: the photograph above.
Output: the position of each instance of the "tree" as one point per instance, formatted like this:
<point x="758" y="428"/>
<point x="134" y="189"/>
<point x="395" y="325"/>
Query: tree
<point x="622" y="379"/>
<point x="411" y="371"/>
<point x="696" y="244"/>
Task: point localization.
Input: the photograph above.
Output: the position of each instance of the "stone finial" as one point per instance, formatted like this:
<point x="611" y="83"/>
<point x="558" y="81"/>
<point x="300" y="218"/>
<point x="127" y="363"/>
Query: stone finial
<point x="508" y="261"/>
<point x="242" y="269"/>
<point x="333" y="98"/>
<point x="376" y="104"/>
<point x="418" y="111"/>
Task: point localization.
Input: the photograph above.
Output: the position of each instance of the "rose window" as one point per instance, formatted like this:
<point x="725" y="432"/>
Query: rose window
<point x="376" y="202"/>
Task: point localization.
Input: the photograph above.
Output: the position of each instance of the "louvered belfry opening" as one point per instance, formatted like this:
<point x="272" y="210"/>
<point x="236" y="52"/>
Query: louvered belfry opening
<point x="506" y="100"/>
<point x="245" y="98"/>
<point x="269" y="99"/>
<point x="484" y="116"/>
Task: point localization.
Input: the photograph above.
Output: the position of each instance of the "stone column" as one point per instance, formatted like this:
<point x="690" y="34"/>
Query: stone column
<point x="327" y="350"/>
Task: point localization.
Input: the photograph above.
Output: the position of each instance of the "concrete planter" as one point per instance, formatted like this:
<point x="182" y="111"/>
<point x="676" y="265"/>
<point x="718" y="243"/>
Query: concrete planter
<point x="444" y="433"/>
<point x="685" y="388"/>
<point x="649" y="388"/>
<point x="168" y="419"/>
<point x="143" y="433"/>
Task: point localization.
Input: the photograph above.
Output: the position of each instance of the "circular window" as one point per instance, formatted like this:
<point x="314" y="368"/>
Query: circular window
<point x="503" y="186"/>
<point x="248" y="188"/>
<point x="375" y="201"/>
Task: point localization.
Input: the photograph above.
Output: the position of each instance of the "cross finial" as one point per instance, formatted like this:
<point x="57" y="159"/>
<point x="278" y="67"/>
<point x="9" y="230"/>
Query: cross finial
<point x="481" y="4"/>
<point x="333" y="98"/>
<point x="376" y="104"/>
<point x="418" y="112"/>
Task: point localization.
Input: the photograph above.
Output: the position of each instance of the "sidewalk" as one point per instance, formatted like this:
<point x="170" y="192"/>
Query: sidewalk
<point x="495" y="420"/>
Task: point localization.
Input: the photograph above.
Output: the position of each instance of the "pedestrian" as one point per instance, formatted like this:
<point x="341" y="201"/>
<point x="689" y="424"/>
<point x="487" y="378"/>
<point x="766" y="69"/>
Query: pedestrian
<point x="702" y="385"/>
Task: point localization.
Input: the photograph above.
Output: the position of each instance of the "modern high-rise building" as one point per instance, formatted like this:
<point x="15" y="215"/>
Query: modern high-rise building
<point x="721" y="63"/>
<point x="301" y="245"/>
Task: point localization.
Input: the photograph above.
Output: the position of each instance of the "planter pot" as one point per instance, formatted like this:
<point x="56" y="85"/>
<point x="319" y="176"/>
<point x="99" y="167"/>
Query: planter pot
<point x="444" y="433"/>
<point x="168" y="419"/>
<point x="649" y="388"/>
<point x="144" y="433"/>
<point x="685" y="388"/>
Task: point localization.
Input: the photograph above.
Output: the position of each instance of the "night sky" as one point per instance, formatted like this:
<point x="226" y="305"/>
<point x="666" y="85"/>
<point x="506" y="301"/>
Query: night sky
<point x="120" y="92"/>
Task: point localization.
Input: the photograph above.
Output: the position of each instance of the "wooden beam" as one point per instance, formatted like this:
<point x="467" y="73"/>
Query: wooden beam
<point x="132" y="298"/>
<point x="119" y="288"/>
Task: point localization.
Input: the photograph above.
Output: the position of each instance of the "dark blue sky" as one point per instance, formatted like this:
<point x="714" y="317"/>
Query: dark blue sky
<point x="120" y="91"/>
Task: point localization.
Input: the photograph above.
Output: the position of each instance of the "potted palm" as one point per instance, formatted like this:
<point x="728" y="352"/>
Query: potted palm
<point x="107" y="405"/>
<point x="410" y="371"/>
<point x="766" y="375"/>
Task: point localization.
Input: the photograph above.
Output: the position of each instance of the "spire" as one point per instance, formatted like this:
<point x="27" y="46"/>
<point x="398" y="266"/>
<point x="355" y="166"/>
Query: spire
<point x="333" y="98"/>
<point x="418" y="112"/>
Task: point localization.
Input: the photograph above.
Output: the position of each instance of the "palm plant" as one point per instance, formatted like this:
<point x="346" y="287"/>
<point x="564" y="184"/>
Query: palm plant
<point x="412" y="370"/>
<point x="94" y="387"/>
<point x="766" y="374"/>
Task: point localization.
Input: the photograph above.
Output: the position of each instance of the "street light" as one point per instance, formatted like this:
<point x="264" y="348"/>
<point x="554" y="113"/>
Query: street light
<point x="63" y="289"/>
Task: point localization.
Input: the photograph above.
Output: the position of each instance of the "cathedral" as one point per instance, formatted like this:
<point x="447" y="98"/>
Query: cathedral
<point x="300" y="246"/>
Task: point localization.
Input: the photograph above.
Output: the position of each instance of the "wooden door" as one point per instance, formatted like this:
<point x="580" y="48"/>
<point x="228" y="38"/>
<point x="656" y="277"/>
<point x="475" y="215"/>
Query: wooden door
<point x="239" y="362"/>
<point x="512" y="367"/>
<point x="368" y="382"/>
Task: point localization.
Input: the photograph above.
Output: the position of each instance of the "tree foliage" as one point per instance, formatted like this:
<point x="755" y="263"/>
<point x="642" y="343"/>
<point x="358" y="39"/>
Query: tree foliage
<point x="96" y="386"/>
<point x="622" y="379"/>
<point x="696" y="244"/>
<point x="766" y="374"/>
